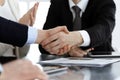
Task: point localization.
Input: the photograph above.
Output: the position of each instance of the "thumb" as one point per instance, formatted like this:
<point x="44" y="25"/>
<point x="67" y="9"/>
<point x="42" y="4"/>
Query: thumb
<point x="58" y="29"/>
<point x="90" y="49"/>
<point x="64" y="28"/>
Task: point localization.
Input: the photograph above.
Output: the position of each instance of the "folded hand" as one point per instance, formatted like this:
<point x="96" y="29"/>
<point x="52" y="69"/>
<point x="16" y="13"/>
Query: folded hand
<point x="30" y="16"/>
<point x="22" y="70"/>
<point x="78" y="52"/>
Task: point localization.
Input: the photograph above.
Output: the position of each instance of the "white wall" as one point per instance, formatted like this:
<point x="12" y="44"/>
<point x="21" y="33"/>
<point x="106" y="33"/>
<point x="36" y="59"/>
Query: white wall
<point x="116" y="32"/>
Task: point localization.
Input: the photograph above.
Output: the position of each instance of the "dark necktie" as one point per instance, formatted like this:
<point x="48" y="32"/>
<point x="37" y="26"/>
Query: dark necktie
<point x="77" y="20"/>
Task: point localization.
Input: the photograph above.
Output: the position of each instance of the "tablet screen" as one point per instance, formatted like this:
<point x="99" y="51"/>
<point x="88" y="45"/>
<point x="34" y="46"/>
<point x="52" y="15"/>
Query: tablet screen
<point x="104" y="54"/>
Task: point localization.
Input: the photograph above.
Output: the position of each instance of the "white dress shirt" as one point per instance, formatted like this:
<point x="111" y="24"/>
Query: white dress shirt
<point x="82" y="5"/>
<point x="1" y="69"/>
<point x="32" y="35"/>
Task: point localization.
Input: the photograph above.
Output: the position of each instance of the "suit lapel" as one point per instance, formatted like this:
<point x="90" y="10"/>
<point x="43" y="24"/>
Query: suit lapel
<point x="87" y="15"/>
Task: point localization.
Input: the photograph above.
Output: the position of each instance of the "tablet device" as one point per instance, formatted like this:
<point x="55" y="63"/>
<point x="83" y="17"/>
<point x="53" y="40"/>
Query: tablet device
<point x="104" y="54"/>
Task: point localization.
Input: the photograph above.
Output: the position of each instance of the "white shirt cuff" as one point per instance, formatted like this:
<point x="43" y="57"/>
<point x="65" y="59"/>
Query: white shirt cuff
<point x="32" y="35"/>
<point x="1" y="68"/>
<point x="86" y="38"/>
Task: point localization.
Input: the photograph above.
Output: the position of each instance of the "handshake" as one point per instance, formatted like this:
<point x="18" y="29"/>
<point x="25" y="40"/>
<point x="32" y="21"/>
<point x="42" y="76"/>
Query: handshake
<point x="58" y="40"/>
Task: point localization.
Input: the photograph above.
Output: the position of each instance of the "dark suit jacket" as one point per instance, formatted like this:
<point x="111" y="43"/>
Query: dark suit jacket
<point x="12" y="32"/>
<point x="98" y="20"/>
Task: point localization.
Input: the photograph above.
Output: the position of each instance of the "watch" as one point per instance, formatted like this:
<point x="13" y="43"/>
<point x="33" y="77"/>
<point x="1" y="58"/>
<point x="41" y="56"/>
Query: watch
<point x="1" y="69"/>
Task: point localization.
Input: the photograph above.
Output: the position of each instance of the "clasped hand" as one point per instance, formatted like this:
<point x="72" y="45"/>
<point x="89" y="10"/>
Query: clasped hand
<point x="60" y="41"/>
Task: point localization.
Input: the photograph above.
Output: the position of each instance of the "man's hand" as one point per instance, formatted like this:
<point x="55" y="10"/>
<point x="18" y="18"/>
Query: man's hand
<point x="22" y="70"/>
<point x="58" y="41"/>
<point x="44" y="34"/>
<point x="78" y="52"/>
<point x="30" y="16"/>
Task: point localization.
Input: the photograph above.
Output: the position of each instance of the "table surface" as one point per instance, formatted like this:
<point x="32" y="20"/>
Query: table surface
<point x="109" y="72"/>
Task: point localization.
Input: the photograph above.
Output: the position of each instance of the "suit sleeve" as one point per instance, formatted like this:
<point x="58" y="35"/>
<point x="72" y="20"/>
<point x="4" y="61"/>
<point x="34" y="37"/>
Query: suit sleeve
<point x="52" y="19"/>
<point x="102" y="29"/>
<point x="12" y="32"/>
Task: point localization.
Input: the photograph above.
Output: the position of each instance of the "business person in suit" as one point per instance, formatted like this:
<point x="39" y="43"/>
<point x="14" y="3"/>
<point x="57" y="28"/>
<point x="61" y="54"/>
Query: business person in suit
<point x="97" y="23"/>
<point x="11" y="70"/>
<point x="9" y="9"/>
<point x="26" y="35"/>
<point x="28" y="70"/>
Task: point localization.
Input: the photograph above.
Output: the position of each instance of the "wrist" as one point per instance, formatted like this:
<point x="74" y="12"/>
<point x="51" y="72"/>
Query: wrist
<point x="38" y="40"/>
<point x="42" y="34"/>
<point x="78" y="40"/>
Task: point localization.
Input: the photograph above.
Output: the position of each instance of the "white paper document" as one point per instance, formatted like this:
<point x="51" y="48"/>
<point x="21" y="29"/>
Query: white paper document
<point x="73" y="61"/>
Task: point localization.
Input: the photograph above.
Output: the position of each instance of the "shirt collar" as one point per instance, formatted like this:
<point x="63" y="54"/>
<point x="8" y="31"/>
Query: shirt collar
<point x="82" y="4"/>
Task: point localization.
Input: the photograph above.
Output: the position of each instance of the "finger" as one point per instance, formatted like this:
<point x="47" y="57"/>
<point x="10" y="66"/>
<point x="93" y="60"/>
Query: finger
<point x="35" y="9"/>
<point x="65" y="49"/>
<point x="52" y="51"/>
<point x="68" y="47"/>
<point x="71" y="51"/>
<point x="78" y="54"/>
<point x="57" y="43"/>
<point x="55" y="52"/>
<point x="65" y="29"/>
<point x="33" y="13"/>
<point x="52" y="44"/>
<point x="49" y="40"/>
<point x="81" y="51"/>
<point x="58" y="29"/>
<point x="50" y="47"/>
<point x="90" y="49"/>
<point x="84" y="53"/>
<point x="57" y="48"/>
<point x="62" y="50"/>
<point x="73" y="54"/>
<point x="30" y="13"/>
<point x="32" y="20"/>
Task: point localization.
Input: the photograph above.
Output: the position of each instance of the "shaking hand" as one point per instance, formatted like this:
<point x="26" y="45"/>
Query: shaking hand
<point x="57" y="43"/>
